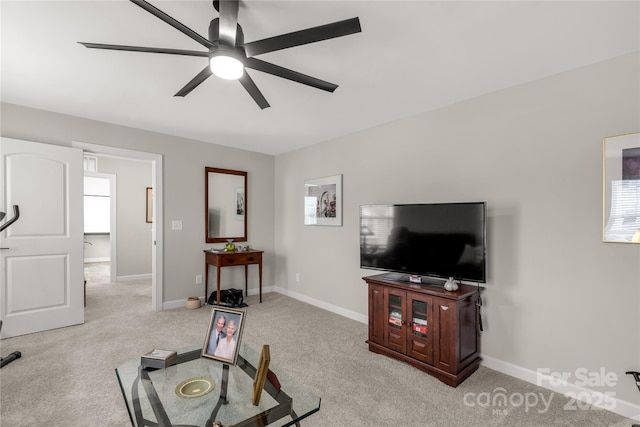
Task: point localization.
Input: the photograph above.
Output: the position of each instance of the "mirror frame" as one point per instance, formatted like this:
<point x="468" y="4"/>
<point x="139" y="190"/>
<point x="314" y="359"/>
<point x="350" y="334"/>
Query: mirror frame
<point x="210" y="170"/>
<point x="613" y="170"/>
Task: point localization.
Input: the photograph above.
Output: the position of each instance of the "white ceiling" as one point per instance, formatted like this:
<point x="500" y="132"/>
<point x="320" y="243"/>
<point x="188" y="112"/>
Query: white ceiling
<point x="410" y="57"/>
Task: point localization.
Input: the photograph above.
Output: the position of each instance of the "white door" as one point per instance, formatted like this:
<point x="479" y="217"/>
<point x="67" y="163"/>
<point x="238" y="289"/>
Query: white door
<point x="41" y="260"/>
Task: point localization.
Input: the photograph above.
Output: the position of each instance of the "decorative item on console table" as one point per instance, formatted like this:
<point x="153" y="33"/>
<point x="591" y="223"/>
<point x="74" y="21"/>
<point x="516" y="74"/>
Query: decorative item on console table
<point x="435" y="330"/>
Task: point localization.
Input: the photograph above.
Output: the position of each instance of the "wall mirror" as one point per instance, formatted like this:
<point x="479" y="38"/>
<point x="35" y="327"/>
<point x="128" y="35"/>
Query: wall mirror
<point x="621" y="188"/>
<point x="225" y="201"/>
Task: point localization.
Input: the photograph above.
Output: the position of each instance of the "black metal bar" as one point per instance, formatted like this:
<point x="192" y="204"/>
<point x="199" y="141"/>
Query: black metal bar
<point x="145" y="49"/>
<point x="224" y="383"/>
<point x="309" y="35"/>
<point x="156" y="404"/>
<point x="16" y="215"/>
<point x="173" y="22"/>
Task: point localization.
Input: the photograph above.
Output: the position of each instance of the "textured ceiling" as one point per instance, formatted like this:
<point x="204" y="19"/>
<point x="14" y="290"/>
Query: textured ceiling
<point x="410" y="57"/>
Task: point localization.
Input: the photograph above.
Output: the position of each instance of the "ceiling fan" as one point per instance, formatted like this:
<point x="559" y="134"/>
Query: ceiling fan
<point x="229" y="55"/>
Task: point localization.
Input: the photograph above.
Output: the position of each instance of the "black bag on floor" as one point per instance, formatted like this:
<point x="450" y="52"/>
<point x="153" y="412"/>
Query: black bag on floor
<point x="228" y="298"/>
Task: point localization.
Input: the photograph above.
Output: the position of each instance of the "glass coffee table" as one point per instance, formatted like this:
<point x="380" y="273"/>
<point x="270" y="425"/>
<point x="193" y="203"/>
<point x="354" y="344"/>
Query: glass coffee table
<point x="198" y="392"/>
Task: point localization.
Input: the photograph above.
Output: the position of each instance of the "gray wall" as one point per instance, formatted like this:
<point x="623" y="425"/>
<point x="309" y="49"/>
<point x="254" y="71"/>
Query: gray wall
<point x="183" y="197"/>
<point x="96" y="247"/>
<point x="133" y="237"/>
<point x="556" y="297"/>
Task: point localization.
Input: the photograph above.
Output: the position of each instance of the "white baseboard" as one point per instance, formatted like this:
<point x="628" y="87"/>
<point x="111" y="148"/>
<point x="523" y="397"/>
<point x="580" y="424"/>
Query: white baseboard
<point x="583" y="397"/>
<point x="329" y="307"/>
<point x="133" y="277"/>
<point x="170" y="305"/>
<point x="98" y="259"/>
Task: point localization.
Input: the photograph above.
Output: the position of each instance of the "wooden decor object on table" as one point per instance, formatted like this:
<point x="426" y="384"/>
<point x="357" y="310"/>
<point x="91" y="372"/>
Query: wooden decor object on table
<point x="261" y="374"/>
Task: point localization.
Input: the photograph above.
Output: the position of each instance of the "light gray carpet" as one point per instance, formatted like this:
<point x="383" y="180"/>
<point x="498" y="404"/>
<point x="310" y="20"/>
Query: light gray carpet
<point x="66" y="376"/>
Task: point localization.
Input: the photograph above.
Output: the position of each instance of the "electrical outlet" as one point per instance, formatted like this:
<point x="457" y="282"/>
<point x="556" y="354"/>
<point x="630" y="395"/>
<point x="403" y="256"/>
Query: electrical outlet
<point x="298" y="277"/>
<point x="198" y="279"/>
<point x="176" y="224"/>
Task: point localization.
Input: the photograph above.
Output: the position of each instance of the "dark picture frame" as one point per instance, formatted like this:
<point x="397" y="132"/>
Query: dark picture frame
<point x="149" y="218"/>
<point x="621" y="188"/>
<point x="223" y="348"/>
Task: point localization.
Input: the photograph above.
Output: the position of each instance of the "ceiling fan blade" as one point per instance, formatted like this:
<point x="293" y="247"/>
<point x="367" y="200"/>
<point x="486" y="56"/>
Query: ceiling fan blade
<point x="285" y="73"/>
<point x="144" y="49"/>
<point x="297" y="38"/>
<point x="228" y="21"/>
<point x="174" y="23"/>
<point x="250" y="86"/>
<point x="202" y="76"/>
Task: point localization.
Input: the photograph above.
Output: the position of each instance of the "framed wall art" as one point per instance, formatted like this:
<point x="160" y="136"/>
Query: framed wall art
<point x="621" y="188"/>
<point x="323" y="201"/>
<point x="224" y="334"/>
<point x="149" y="218"/>
<point x="240" y="203"/>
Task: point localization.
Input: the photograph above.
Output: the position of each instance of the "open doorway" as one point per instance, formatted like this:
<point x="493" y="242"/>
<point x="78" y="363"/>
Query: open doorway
<point x="128" y="260"/>
<point x="100" y="230"/>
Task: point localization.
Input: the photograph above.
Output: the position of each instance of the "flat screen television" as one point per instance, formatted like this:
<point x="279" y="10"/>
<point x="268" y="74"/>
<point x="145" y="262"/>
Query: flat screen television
<point x="436" y="240"/>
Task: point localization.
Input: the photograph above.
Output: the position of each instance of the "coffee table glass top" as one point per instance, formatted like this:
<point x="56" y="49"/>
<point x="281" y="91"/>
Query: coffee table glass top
<point x="153" y="397"/>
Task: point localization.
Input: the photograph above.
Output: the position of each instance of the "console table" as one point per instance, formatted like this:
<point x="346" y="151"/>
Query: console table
<point x="230" y="259"/>
<point x="152" y="397"/>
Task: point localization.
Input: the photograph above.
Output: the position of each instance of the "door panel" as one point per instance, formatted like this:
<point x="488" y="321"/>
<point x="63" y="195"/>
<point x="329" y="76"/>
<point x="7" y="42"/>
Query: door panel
<point x="376" y="314"/>
<point x="24" y="276"/>
<point x="41" y="284"/>
<point x="446" y="356"/>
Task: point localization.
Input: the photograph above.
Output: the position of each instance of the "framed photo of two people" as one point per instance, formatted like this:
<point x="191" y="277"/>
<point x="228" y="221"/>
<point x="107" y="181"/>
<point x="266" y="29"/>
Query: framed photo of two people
<point x="224" y="334"/>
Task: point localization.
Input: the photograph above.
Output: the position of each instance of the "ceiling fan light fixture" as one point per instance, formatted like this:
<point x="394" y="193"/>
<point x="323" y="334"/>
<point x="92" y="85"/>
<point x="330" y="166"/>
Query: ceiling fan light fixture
<point x="226" y="66"/>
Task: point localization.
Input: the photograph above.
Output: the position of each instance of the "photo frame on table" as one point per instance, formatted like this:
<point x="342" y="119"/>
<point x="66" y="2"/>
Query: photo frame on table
<point x="621" y="188"/>
<point x="224" y="347"/>
<point x="261" y="374"/>
<point x="323" y="201"/>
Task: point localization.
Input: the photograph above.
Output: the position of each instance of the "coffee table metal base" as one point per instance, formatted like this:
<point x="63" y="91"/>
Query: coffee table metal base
<point x="281" y="412"/>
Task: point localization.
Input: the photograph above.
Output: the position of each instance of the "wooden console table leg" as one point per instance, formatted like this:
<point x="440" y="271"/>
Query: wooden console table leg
<point x="218" y="284"/>
<point x="246" y="275"/>
<point x="260" y="272"/>
<point x="206" y="281"/>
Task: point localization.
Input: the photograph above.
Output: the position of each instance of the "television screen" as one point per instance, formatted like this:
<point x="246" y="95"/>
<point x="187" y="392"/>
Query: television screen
<point x="436" y="240"/>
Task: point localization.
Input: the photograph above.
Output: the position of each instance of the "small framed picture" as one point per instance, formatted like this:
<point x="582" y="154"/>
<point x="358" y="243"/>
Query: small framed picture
<point x="240" y="203"/>
<point x="223" y="337"/>
<point x="323" y="201"/>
